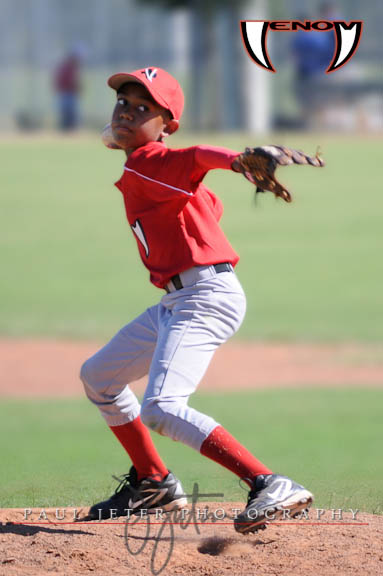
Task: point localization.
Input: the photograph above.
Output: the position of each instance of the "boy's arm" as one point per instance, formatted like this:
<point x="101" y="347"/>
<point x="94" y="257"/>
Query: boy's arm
<point x="212" y="157"/>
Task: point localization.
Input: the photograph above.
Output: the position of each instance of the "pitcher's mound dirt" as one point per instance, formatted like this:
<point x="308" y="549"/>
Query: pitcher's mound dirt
<point x="297" y="548"/>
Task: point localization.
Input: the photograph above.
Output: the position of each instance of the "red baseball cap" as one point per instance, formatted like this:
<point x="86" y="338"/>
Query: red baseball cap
<point x="163" y="88"/>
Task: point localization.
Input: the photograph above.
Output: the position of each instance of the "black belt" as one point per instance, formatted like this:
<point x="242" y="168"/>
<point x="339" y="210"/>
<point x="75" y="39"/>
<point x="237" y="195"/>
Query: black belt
<point x="222" y="267"/>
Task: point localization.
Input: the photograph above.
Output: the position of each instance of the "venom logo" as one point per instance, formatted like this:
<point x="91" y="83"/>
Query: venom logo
<point x="254" y="34"/>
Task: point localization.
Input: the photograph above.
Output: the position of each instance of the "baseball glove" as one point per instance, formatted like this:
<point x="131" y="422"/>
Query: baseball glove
<point x="259" y="165"/>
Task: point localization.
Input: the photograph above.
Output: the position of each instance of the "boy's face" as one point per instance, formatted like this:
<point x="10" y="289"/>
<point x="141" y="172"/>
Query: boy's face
<point x="137" y="119"/>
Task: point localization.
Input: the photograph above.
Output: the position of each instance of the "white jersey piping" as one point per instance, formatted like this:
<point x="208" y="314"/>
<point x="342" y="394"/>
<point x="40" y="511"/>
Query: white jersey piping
<point x="158" y="182"/>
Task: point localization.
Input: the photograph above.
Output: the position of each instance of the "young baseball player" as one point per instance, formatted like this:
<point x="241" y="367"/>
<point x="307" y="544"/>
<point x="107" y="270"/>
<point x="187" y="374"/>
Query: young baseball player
<point x="175" y="220"/>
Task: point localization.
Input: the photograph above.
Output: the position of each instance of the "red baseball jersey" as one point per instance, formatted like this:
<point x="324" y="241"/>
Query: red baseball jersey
<point x="174" y="216"/>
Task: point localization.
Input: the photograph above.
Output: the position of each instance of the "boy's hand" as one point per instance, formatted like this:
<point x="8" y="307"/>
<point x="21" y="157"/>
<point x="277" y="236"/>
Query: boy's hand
<point x="259" y="165"/>
<point x="108" y="138"/>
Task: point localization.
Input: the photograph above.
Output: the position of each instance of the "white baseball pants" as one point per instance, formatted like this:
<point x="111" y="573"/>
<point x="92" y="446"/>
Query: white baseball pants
<point x="173" y="342"/>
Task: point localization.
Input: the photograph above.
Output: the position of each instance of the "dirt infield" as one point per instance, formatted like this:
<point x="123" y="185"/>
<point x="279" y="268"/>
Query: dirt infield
<point x="322" y="545"/>
<point x="299" y="548"/>
<point x="30" y="368"/>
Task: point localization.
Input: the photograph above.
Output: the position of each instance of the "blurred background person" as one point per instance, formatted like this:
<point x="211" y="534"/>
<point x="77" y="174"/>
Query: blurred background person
<point x="67" y="86"/>
<point x="312" y="53"/>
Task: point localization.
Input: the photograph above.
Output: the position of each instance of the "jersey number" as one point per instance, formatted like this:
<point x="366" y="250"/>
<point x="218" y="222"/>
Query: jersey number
<point x="137" y="229"/>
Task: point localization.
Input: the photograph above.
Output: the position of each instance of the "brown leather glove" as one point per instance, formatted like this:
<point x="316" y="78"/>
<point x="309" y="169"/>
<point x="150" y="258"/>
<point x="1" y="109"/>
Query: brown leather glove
<point x="259" y="165"/>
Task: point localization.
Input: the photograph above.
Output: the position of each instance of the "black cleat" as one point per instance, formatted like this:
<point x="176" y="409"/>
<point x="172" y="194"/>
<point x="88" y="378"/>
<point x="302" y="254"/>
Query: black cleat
<point x="269" y="499"/>
<point x="145" y="494"/>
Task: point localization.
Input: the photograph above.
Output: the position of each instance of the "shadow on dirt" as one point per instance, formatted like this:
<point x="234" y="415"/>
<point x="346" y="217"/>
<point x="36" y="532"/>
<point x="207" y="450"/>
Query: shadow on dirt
<point x="28" y="530"/>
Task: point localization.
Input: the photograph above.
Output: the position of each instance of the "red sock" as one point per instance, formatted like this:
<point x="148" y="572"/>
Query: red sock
<point x="135" y="438"/>
<point x="221" y="447"/>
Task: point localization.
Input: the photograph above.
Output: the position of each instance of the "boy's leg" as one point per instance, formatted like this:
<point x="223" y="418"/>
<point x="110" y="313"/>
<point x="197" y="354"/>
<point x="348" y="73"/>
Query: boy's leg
<point x="106" y="377"/>
<point x="135" y="438"/>
<point x="192" y="325"/>
<point x="224" y="449"/>
<point x="190" y="330"/>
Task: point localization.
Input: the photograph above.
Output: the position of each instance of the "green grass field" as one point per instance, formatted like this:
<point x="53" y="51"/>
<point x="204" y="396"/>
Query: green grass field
<point x="62" y="453"/>
<point x="311" y="270"/>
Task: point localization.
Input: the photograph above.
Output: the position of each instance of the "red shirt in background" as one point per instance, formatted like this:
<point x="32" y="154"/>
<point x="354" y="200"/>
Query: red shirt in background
<point x="67" y="76"/>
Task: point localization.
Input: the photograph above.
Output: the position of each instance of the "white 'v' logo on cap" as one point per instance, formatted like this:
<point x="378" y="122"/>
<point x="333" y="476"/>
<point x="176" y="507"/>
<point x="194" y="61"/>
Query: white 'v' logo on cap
<point x="150" y="73"/>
